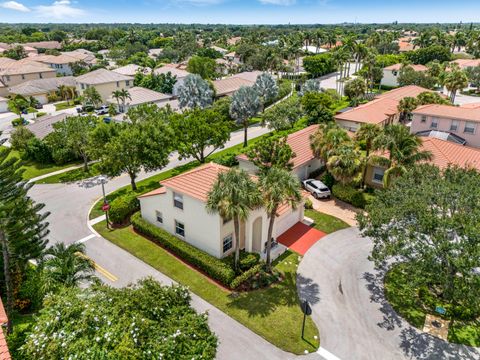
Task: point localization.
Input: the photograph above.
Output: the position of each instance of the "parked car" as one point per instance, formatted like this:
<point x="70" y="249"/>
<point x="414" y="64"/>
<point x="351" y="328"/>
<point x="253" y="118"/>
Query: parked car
<point x="107" y="120"/>
<point x="102" y="110"/>
<point x="85" y="108"/>
<point x="317" y="188"/>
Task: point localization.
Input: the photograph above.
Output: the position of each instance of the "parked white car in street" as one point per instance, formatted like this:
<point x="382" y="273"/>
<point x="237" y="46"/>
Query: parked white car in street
<point x="317" y="188"/>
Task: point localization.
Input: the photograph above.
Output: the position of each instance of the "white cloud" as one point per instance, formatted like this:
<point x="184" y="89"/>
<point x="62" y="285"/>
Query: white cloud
<point x="13" y="5"/>
<point x="278" y="2"/>
<point x="197" y="2"/>
<point x="59" y="9"/>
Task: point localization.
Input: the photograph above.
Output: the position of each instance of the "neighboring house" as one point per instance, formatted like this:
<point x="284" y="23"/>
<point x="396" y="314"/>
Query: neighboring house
<point x="132" y="70"/>
<point x="405" y="46"/>
<point x="462" y="123"/>
<point x="154" y="53"/>
<point x="60" y="63"/>
<point x="174" y="70"/>
<point x="179" y="208"/>
<point x="390" y="73"/>
<point x="304" y="162"/>
<point x="44" y="125"/>
<point x="219" y="49"/>
<point x="383" y="110"/>
<point x="466" y="63"/>
<point x="444" y="153"/>
<point x="3" y="105"/>
<point x="45" y="45"/>
<point x="233" y="58"/>
<point x="139" y="96"/>
<point x="105" y="81"/>
<point x="28" y="49"/>
<point x="227" y="86"/>
<point x="4" y="353"/>
<point x="41" y="89"/>
<point x="81" y="55"/>
<point x="234" y="40"/>
<point x="13" y="72"/>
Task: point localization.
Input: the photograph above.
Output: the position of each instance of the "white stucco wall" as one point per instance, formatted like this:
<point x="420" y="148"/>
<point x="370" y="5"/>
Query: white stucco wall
<point x="390" y="78"/>
<point x="348" y="125"/>
<point x="3" y="106"/>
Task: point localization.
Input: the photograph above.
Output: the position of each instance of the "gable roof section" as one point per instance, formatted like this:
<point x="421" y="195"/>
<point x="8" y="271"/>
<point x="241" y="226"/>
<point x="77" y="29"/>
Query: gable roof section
<point x="132" y="69"/>
<point x="44" y="125"/>
<point x="396" y="67"/>
<point x="374" y="112"/>
<point x="448" y="153"/>
<point x="449" y="111"/>
<point x="140" y="95"/>
<point x="169" y="68"/>
<point x="42" y="86"/>
<point x="229" y="85"/>
<point x="403" y="92"/>
<point x="101" y="76"/>
<point x="24" y="66"/>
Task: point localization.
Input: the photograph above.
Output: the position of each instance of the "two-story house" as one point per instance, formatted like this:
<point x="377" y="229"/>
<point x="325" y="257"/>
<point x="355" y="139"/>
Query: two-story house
<point x="179" y="208"/>
<point x="390" y="73"/>
<point x="105" y="81"/>
<point x="459" y="123"/>
<point x="174" y="70"/>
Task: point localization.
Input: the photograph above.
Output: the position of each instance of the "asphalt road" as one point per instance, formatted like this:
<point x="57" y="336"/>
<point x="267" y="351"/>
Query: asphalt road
<point x="354" y="319"/>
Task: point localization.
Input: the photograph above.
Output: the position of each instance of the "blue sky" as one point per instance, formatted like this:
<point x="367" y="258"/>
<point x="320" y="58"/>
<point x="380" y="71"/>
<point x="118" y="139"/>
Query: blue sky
<point x="239" y="11"/>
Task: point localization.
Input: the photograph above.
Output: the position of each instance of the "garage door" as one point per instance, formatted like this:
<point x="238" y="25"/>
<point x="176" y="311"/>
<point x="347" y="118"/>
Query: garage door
<point x="286" y="221"/>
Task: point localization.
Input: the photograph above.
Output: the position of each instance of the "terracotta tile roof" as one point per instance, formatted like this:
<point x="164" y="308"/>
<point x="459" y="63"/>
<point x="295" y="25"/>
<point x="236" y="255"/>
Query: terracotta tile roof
<point x="300" y="143"/>
<point x="45" y="45"/>
<point x="229" y="85"/>
<point x="448" y="153"/>
<point x="141" y="95"/>
<point x="197" y="182"/>
<point x="55" y="59"/>
<point x="101" y="76"/>
<point x="132" y="69"/>
<point x="24" y="66"/>
<point x="42" y="86"/>
<point x="402" y="92"/>
<point x="471" y="106"/>
<point x="248" y="75"/>
<point x="397" y="67"/>
<point x="4" y="353"/>
<point x="464" y="63"/>
<point x="449" y="111"/>
<point x="173" y="69"/>
<point x="159" y="191"/>
<point x="373" y="112"/>
<point x="405" y="46"/>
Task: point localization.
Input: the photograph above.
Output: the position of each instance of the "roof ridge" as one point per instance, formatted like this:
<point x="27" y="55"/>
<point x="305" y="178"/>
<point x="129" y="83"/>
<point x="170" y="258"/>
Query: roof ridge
<point x="197" y="169"/>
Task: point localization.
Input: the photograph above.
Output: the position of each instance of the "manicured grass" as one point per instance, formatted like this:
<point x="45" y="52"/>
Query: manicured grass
<point x="403" y="297"/>
<point x="324" y="222"/>
<point x="72" y="175"/>
<point x="272" y="313"/>
<point x="64" y="105"/>
<point x="33" y="169"/>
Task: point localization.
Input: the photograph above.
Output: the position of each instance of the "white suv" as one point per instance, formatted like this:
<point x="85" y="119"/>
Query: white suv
<point x="317" y="188"/>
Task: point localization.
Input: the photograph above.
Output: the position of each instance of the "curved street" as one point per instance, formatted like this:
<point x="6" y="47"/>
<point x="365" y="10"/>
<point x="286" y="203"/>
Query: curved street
<point x="354" y="319"/>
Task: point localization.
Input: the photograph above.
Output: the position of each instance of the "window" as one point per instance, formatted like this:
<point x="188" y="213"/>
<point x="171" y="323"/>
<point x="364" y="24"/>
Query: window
<point x="178" y="201"/>
<point x="378" y="175"/>
<point x="83" y="86"/>
<point x="394" y="73"/>
<point x="227" y="243"/>
<point x="40" y="75"/>
<point x="424" y="119"/>
<point x="23" y="77"/>
<point x="159" y="216"/>
<point x="454" y="125"/>
<point x="470" y="127"/>
<point x="127" y="82"/>
<point x="434" y="123"/>
<point x="118" y="84"/>
<point x="179" y="229"/>
<point x="8" y="77"/>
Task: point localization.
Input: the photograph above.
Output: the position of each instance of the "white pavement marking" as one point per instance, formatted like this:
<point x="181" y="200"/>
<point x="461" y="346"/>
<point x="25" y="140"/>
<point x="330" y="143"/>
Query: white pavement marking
<point x="327" y="355"/>
<point x="97" y="220"/>
<point x="86" y="238"/>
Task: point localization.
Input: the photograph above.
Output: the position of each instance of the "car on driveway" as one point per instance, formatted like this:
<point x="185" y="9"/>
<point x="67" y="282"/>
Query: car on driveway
<point x="102" y="110"/>
<point x="317" y="188"/>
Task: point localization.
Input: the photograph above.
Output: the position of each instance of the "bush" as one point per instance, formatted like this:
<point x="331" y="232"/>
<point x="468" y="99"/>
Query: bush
<point x="239" y="280"/>
<point x="20" y="138"/>
<point x="328" y="179"/>
<point x="18" y="122"/>
<point x="350" y="195"/>
<point x="122" y="207"/>
<point x="308" y="204"/>
<point x="38" y="151"/>
<point x="247" y="260"/>
<point x="229" y="160"/>
<point x="213" y="267"/>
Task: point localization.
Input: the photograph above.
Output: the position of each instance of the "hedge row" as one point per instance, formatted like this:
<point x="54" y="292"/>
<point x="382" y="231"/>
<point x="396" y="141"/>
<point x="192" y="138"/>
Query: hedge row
<point x="123" y="206"/>
<point x="239" y="280"/>
<point x="213" y="267"/>
<point x="350" y="195"/>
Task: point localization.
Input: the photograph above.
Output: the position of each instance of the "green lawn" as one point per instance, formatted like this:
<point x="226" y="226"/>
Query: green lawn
<point x="72" y="175"/>
<point x="324" y="222"/>
<point x="273" y="313"/>
<point x="403" y="297"/>
<point x="33" y="169"/>
<point x="64" y="105"/>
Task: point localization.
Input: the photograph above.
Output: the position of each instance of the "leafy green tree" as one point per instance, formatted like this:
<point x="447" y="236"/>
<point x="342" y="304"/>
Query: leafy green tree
<point x="144" y="144"/>
<point x="271" y="152"/>
<point x="195" y="92"/>
<point x="199" y="133"/>
<point x="427" y="54"/>
<point x="283" y="115"/>
<point x="203" y="66"/>
<point x="355" y="89"/>
<point x="91" y="96"/>
<point x="143" y="321"/>
<point x="20" y="138"/>
<point x="430" y="97"/>
<point x="367" y="133"/>
<point x="18" y="105"/>
<point x="401" y="149"/>
<point x="319" y="65"/>
<point x="278" y="187"/>
<point x="245" y="104"/>
<point x="266" y="87"/>
<point x="15" y="53"/>
<point x="408" y="76"/>
<point x="66" y="266"/>
<point x="163" y="83"/>
<point x="23" y="230"/>
<point x="428" y="221"/>
<point x="316" y="105"/>
<point x="233" y="196"/>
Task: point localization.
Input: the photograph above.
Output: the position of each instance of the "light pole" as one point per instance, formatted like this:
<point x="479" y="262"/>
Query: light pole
<point x="105" y="206"/>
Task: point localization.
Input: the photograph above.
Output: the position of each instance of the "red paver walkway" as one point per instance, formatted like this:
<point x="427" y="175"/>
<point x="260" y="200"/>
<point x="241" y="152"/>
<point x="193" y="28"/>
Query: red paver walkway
<point x="300" y="237"/>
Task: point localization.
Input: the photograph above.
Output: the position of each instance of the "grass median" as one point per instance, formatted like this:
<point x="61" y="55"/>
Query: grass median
<point x="273" y="313"/>
<point x="324" y="222"/>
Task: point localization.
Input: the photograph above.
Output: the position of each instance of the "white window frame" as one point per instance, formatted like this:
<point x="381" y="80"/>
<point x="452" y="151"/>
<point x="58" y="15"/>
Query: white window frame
<point x="454" y="125"/>
<point x="182" y="227"/>
<point x="159" y="216"/>
<point x="227" y="239"/>
<point x="423" y="119"/>
<point x="473" y="126"/>
<point x="434" y="121"/>
<point x="376" y="171"/>
<point x="178" y="201"/>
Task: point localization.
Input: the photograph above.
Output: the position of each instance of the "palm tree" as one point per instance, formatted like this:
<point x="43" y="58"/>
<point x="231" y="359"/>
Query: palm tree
<point x="278" y="187"/>
<point x="233" y="196"/>
<point x="327" y="138"/>
<point x="403" y="148"/>
<point x="117" y="95"/>
<point x="67" y="266"/>
<point x="91" y="96"/>
<point x="355" y="89"/>
<point x="245" y="104"/>
<point x="367" y="133"/>
<point x="405" y="107"/>
<point x="455" y="79"/>
<point x="124" y="95"/>
<point x="266" y="87"/>
<point x="194" y="92"/>
<point x="345" y="162"/>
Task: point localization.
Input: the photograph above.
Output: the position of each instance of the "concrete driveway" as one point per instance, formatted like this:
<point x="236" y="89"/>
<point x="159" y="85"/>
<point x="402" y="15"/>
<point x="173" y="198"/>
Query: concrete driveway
<point x="354" y="319"/>
<point x="337" y="208"/>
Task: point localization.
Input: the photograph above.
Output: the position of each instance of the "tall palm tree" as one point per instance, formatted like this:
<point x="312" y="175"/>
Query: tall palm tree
<point x="124" y="95"/>
<point x="345" y="162"/>
<point x="454" y="80"/>
<point x="233" y="196"/>
<point x="327" y="138"/>
<point x="405" y="107"/>
<point x="278" y="187"/>
<point x="403" y="148"/>
<point x="367" y="133"/>
<point x="245" y="104"/>
<point x="67" y="266"/>
<point x="117" y="95"/>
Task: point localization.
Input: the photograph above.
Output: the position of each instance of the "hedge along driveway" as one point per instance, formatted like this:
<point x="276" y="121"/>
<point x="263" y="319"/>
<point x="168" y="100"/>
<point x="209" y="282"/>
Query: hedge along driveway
<point x="273" y="313"/>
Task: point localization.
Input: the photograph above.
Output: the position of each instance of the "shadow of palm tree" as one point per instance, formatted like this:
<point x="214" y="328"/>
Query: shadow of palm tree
<point x="307" y="289"/>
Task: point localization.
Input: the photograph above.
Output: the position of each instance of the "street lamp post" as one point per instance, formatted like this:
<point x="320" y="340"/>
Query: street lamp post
<point x="105" y="206"/>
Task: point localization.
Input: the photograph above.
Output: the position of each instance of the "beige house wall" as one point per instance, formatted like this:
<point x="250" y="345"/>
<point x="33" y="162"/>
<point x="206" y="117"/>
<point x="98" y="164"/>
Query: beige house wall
<point x="13" y="80"/>
<point x="105" y="90"/>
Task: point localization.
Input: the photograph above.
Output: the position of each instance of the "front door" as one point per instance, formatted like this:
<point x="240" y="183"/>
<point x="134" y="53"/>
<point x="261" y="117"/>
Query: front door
<point x="257" y="235"/>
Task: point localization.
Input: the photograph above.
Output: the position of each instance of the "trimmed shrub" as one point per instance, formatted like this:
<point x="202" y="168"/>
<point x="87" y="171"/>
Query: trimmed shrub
<point x="350" y="195"/>
<point x="38" y="151"/>
<point x="239" y="280"/>
<point x="328" y="179"/>
<point x="122" y="207"/>
<point x="308" y="204"/>
<point x="213" y="267"/>
<point x="247" y="260"/>
<point x="229" y="160"/>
